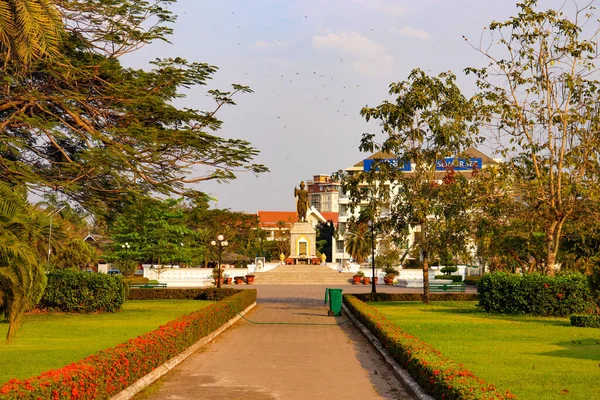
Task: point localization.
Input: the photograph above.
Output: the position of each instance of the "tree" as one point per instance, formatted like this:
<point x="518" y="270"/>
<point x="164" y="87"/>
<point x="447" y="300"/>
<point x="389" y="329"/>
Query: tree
<point x="29" y="30"/>
<point x="325" y="232"/>
<point x="75" y="253"/>
<point x="81" y="124"/>
<point x="22" y="278"/>
<point x="358" y="241"/>
<point x="542" y="102"/>
<point x="430" y="122"/>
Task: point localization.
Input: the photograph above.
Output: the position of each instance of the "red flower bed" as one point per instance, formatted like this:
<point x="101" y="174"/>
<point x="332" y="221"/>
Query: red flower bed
<point x="107" y="372"/>
<point x="438" y="375"/>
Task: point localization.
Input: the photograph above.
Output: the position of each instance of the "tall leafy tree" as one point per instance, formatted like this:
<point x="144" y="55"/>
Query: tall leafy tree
<point x="542" y="103"/>
<point x="325" y="232"/>
<point x="81" y="124"/>
<point x="359" y="241"/>
<point x="428" y="120"/>
<point x="22" y="234"/>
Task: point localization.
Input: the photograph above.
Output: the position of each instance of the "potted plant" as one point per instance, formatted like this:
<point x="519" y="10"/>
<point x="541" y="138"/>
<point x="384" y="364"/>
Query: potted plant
<point x="238" y="280"/>
<point x="357" y="277"/>
<point x="390" y="274"/>
<point x="215" y="275"/>
<point x="249" y="279"/>
<point x="228" y="279"/>
<point x="367" y="280"/>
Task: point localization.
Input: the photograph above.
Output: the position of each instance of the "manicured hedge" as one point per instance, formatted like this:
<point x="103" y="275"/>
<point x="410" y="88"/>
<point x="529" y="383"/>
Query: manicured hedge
<point x="472" y="280"/>
<point x="83" y="292"/>
<point x="437" y="374"/>
<point x="107" y="372"/>
<point x="586" y="321"/>
<point x="535" y="294"/>
<point x="454" y="278"/>
<point x="416" y="296"/>
<point x="210" y="293"/>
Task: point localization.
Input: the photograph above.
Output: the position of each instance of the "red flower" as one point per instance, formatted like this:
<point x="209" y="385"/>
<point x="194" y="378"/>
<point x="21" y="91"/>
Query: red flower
<point x="546" y="286"/>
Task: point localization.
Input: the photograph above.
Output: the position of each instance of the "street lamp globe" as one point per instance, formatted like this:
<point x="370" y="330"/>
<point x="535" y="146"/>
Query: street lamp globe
<point x="213" y="243"/>
<point x="220" y="237"/>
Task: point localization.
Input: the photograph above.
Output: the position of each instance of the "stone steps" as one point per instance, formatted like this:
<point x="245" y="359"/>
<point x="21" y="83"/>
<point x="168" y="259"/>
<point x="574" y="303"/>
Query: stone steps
<point x="303" y="274"/>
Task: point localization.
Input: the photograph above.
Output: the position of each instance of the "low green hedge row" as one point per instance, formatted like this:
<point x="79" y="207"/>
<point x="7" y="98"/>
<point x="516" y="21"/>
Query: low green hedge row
<point x="416" y="296"/>
<point x="437" y="374"/>
<point x="108" y="372"/>
<point x="454" y="278"/>
<point x="210" y="293"/>
<point x="81" y="292"/>
<point x="586" y="321"/>
<point x="472" y="280"/>
<point x="535" y="294"/>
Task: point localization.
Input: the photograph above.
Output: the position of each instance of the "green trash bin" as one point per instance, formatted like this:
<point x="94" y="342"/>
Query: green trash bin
<point x="335" y="301"/>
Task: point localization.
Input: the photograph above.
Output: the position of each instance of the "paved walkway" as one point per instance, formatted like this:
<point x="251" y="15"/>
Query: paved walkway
<point x="256" y="362"/>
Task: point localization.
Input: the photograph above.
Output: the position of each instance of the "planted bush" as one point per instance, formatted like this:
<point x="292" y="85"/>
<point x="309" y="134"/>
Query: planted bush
<point x="454" y="278"/>
<point x="586" y="321"/>
<point x="472" y="280"/>
<point x="82" y="292"/>
<point x="181" y="294"/>
<point x="106" y="373"/>
<point x="535" y="294"/>
<point x="438" y="375"/>
<point x="416" y="296"/>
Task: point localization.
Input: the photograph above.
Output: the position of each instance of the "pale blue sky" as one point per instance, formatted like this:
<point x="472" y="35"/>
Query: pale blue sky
<point x="313" y="64"/>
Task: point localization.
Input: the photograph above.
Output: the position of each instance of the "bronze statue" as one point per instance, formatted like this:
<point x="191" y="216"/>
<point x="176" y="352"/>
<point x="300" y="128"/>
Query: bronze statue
<point x="302" y="203"/>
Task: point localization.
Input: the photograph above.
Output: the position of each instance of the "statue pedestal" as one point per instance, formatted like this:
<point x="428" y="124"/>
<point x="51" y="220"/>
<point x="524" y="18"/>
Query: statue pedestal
<point x="303" y="243"/>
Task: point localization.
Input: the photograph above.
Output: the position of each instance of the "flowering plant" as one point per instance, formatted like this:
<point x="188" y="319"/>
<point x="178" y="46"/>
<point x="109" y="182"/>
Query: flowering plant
<point x="106" y="373"/>
<point x="437" y="374"/>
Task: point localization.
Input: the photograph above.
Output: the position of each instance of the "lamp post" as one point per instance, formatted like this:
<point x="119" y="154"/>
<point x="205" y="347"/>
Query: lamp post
<point x="220" y="244"/>
<point x="126" y="247"/>
<point x="51" y="214"/>
<point x="372" y="226"/>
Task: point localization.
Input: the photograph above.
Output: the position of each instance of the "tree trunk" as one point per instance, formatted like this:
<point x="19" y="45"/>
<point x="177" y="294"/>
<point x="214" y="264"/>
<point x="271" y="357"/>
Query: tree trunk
<point x="425" y="276"/>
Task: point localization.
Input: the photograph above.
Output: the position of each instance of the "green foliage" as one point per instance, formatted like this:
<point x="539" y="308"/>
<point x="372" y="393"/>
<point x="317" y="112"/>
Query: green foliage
<point x="540" y="97"/>
<point x="448" y="270"/>
<point x="379" y="297"/>
<point x="182" y="294"/>
<point x="325" y="232"/>
<point x="472" y="280"/>
<point x="358" y="241"/>
<point x="82" y="292"/>
<point x="22" y="248"/>
<point x="535" y="294"/>
<point x="454" y="278"/>
<point x="438" y="375"/>
<point x="112" y="132"/>
<point x="108" y="372"/>
<point x="75" y="253"/>
<point x="586" y="321"/>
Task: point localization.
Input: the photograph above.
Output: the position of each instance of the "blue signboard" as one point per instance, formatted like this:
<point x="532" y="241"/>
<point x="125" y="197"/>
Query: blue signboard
<point x="460" y="164"/>
<point x="394" y="162"/>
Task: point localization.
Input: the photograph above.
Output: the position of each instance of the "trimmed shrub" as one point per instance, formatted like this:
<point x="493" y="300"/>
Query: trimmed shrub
<point x="81" y="292"/>
<point x="448" y="269"/>
<point x="535" y="294"/>
<point x="415" y="296"/>
<point x="437" y="374"/>
<point x="210" y="293"/>
<point x="454" y="278"/>
<point x="586" y="321"/>
<point x="106" y="373"/>
<point x="472" y="280"/>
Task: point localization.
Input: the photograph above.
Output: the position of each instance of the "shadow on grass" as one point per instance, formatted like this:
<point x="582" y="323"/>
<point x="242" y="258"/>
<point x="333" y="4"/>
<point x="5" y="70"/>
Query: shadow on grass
<point x="581" y="349"/>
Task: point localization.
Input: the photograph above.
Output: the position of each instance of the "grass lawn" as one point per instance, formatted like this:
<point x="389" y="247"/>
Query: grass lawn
<point x="51" y="341"/>
<point x="533" y="357"/>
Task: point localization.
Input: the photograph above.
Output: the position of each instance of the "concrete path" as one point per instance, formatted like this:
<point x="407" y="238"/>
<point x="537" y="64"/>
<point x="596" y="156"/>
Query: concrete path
<point x="284" y="361"/>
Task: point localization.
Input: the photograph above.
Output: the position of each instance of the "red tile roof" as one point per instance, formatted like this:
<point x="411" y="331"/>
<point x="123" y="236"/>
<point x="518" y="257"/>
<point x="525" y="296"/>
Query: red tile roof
<point x="269" y="219"/>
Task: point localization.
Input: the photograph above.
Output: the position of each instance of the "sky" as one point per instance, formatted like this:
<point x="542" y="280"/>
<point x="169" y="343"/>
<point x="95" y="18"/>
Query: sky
<point x="313" y="64"/>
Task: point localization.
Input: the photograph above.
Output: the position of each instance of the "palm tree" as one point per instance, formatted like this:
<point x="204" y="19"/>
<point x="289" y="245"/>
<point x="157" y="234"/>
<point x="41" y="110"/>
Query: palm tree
<point x="29" y="29"/>
<point x="22" y="278"/>
<point x="358" y="241"/>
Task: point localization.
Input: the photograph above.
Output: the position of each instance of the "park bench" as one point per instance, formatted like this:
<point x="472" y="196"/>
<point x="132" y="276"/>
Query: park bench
<point x="147" y="285"/>
<point x="447" y="287"/>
